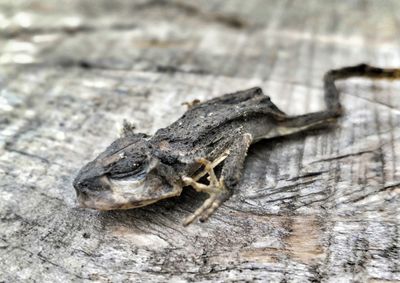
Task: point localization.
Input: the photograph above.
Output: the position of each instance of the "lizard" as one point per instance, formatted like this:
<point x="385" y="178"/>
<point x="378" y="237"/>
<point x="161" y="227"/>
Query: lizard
<point x="205" y="148"/>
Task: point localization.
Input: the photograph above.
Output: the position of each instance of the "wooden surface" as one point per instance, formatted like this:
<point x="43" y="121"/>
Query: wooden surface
<point x="323" y="206"/>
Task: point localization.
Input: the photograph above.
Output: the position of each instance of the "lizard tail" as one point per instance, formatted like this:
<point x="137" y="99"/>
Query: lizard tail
<point x="362" y="70"/>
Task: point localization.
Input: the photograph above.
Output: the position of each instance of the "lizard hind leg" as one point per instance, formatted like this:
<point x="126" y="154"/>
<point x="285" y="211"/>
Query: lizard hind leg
<point x="218" y="189"/>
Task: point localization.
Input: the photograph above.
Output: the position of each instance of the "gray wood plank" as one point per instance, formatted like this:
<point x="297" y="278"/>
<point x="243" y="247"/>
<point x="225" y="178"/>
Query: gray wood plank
<point x="323" y="206"/>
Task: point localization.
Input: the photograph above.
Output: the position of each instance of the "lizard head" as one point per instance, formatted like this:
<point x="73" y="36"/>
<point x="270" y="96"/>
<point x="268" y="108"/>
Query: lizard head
<point x="125" y="175"/>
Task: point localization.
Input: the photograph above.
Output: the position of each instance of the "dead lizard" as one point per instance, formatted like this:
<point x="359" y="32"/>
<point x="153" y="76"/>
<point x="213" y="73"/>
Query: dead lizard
<point x="137" y="169"/>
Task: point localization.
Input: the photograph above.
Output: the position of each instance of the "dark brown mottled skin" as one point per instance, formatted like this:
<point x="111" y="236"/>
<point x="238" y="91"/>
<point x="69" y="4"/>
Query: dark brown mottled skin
<point x="136" y="169"/>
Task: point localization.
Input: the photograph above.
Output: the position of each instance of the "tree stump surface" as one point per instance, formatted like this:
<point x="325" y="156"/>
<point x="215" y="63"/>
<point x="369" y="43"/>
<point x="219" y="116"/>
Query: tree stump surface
<point x="321" y="206"/>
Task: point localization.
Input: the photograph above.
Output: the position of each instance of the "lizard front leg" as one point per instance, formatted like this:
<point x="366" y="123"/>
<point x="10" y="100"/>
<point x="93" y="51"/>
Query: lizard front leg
<point x="219" y="189"/>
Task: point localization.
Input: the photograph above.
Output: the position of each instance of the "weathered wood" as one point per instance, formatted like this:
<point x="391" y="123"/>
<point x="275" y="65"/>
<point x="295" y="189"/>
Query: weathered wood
<point x="322" y="206"/>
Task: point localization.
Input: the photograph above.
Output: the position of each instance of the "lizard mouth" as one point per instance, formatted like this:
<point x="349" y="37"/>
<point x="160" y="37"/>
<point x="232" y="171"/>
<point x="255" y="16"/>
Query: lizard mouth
<point x="121" y="194"/>
<point x="125" y="193"/>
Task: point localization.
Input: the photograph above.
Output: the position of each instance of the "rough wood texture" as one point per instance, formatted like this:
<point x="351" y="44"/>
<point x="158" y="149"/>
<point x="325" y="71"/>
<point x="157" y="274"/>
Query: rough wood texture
<point x="317" y="207"/>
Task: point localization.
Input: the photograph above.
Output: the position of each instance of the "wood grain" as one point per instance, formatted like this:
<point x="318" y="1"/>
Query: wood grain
<point x="321" y="206"/>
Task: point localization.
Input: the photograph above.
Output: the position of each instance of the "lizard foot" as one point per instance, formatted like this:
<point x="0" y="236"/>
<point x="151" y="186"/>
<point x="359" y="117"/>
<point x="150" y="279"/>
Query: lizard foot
<point x="127" y="129"/>
<point x="216" y="189"/>
<point x="191" y="104"/>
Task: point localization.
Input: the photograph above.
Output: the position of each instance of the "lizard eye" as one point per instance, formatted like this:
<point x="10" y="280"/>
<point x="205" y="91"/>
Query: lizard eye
<point x="126" y="169"/>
